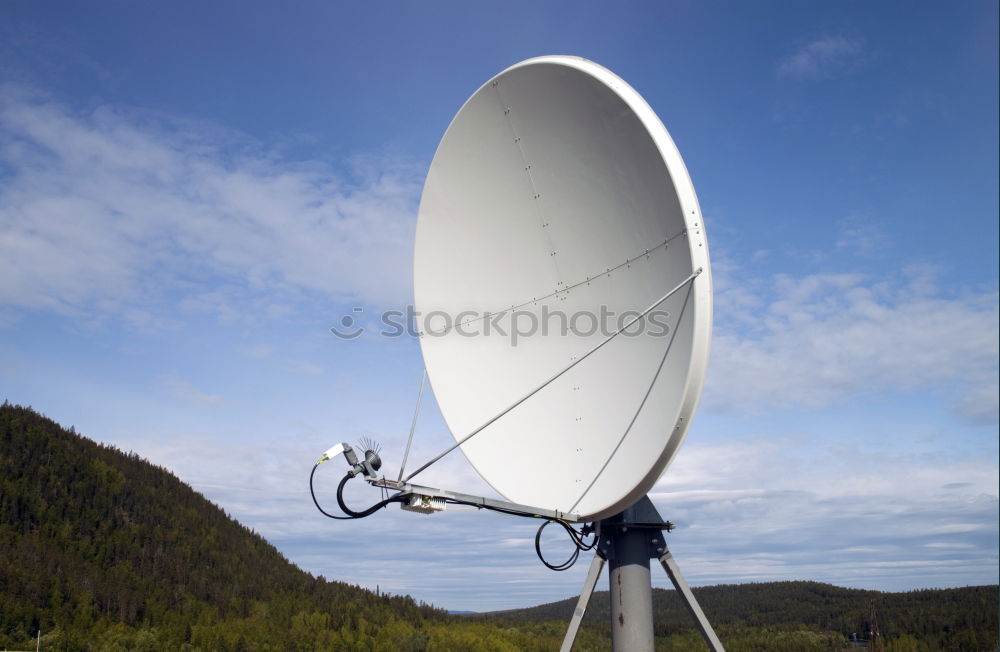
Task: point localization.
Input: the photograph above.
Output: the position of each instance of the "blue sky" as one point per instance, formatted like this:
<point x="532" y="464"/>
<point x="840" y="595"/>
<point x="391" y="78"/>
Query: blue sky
<point x="191" y="196"/>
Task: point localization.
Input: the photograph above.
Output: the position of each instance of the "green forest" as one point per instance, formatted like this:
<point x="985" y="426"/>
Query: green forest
<point x="103" y="550"/>
<point x="805" y="616"/>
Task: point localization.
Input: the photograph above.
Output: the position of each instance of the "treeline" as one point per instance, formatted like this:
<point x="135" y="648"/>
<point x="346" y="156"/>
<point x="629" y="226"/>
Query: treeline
<point x="804" y="616"/>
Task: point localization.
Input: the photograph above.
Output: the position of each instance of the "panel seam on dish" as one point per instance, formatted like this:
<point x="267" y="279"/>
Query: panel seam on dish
<point x="564" y="290"/>
<point x="536" y="195"/>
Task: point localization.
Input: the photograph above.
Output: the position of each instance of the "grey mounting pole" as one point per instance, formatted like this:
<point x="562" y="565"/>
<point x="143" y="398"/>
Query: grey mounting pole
<point x="628" y="541"/>
<point x="631" y="591"/>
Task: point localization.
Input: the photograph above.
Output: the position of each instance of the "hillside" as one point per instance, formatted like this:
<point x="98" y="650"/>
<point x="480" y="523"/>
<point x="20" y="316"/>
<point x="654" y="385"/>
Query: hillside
<point x="103" y="550"/>
<point x="941" y="619"/>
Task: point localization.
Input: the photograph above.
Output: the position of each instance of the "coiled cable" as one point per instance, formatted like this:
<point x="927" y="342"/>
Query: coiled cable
<point x="578" y="543"/>
<point x="350" y="513"/>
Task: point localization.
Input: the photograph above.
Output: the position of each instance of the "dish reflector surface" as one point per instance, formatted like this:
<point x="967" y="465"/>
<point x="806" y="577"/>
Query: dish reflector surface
<point x="557" y="193"/>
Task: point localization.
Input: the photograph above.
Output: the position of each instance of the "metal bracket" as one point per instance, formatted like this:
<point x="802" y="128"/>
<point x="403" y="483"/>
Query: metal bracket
<point x="425" y="496"/>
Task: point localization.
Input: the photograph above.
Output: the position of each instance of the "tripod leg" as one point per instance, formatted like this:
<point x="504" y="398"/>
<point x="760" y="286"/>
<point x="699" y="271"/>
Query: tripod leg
<point x="674" y="572"/>
<point x="581" y="606"/>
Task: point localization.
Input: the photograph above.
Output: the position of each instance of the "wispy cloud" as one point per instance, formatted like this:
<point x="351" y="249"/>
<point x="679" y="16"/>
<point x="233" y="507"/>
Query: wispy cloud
<point x="821" y="58"/>
<point x="187" y="391"/>
<point x="833" y="515"/>
<point x="860" y="234"/>
<point x="103" y="212"/>
<point x="308" y="368"/>
<point x="979" y="404"/>
<point x="813" y="341"/>
<point x="259" y="351"/>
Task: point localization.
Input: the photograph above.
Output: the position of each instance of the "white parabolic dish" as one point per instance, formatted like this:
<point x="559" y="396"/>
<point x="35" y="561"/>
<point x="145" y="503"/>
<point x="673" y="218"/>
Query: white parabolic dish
<point x="557" y="192"/>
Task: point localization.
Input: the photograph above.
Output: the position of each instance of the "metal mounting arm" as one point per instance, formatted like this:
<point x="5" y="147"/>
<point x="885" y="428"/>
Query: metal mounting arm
<point x="428" y="499"/>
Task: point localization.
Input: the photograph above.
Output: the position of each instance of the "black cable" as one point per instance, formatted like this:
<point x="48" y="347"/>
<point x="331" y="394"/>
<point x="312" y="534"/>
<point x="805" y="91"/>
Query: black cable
<point x="398" y="498"/>
<point x="576" y="537"/>
<point x="579" y="536"/>
<point x="351" y="514"/>
<point x="312" y="492"/>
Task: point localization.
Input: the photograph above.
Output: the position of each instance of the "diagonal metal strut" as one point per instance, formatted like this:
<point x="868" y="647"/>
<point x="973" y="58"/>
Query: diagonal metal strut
<point x="562" y="371"/>
<point x="581" y="605"/>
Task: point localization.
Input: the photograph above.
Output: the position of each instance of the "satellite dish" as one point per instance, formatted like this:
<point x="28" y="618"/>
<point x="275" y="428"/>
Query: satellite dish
<point x="557" y="193"/>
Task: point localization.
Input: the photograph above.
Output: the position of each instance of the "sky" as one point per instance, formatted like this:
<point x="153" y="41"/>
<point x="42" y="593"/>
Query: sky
<point x="192" y="194"/>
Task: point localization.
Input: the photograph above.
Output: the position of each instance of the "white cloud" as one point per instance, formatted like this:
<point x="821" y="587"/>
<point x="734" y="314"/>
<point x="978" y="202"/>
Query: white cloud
<point x="980" y="403"/>
<point x="862" y="235"/>
<point x="821" y="58"/>
<point x="769" y="509"/>
<point x="813" y="341"/>
<point x="751" y="507"/>
<point x="187" y="391"/>
<point x="308" y="368"/>
<point x="431" y="557"/>
<point x="258" y="351"/>
<point x="103" y="213"/>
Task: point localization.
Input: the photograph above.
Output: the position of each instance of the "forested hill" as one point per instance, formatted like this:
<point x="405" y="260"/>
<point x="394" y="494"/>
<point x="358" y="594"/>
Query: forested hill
<point x="794" y="615"/>
<point x="102" y="550"/>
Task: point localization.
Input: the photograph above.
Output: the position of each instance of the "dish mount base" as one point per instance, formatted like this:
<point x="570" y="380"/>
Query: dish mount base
<point x="628" y="541"/>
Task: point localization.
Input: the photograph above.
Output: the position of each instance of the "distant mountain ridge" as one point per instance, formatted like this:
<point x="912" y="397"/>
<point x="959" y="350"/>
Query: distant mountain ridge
<point x="958" y="618"/>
